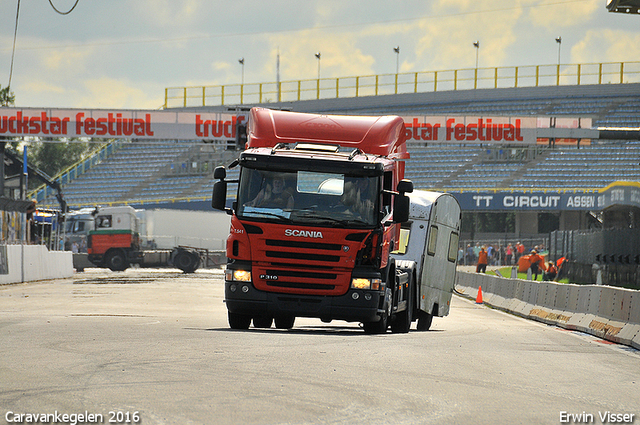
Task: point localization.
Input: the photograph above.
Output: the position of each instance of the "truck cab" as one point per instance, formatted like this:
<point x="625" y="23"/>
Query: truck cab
<point x="114" y="242"/>
<point x="77" y="226"/>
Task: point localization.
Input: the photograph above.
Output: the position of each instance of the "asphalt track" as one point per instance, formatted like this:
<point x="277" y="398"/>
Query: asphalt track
<point x="154" y="345"/>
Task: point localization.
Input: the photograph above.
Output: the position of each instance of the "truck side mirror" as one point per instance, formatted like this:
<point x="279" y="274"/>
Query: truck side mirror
<point x="219" y="196"/>
<point x="219" y="173"/>
<point x="401" y="201"/>
<point x="405" y="186"/>
<point x="401" y="208"/>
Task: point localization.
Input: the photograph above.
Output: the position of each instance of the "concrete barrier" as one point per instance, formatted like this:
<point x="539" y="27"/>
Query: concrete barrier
<point x="27" y="263"/>
<point x="607" y="312"/>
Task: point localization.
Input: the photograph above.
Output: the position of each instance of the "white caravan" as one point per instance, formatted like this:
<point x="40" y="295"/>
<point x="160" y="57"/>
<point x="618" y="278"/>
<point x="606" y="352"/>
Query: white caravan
<point x="428" y="251"/>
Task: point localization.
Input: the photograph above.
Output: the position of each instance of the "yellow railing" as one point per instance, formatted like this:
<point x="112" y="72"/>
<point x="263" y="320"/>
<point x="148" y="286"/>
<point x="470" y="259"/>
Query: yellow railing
<point x="410" y="82"/>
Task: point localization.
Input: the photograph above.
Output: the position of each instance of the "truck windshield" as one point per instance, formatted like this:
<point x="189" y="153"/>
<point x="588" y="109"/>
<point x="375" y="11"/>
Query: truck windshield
<point x="310" y="198"/>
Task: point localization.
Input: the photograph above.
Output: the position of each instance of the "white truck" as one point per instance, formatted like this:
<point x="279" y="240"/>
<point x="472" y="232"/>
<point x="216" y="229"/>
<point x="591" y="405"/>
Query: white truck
<point x="428" y="251"/>
<point x="116" y="237"/>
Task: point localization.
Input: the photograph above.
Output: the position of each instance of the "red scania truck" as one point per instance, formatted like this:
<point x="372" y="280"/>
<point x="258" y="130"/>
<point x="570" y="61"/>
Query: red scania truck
<point x="318" y="211"/>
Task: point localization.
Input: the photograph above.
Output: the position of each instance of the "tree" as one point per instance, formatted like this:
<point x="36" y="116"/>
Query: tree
<point x="52" y="157"/>
<point x="7" y="98"/>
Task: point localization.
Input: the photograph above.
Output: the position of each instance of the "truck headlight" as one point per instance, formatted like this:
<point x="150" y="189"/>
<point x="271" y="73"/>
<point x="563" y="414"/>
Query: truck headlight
<point x="365" y="283"/>
<point x="237" y="275"/>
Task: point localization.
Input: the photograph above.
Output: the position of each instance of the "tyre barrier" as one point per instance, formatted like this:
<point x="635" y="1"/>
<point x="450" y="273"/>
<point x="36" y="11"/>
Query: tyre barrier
<point x="606" y="312"/>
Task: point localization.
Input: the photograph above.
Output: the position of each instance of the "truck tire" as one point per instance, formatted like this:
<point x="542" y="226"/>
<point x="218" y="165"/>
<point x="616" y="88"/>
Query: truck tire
<point x="424" y="321"/>
<point x="402" y="322"/>
<point x="239" y="321"/>
<point x="187" y="261"/>
<point x="116" y="261"/>
<point x="381" y="325"/>
<point x="285" y="322"/>
<point x="262" y="322"/>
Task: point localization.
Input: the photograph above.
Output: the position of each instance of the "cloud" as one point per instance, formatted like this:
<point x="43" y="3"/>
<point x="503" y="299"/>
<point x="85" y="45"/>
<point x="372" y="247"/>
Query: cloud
<point x="69" y="60"/>
<point x="610" y="45"/>
<point x="340" y="54"/>
<point x="147" y="45"/>
<point x="557" y="16"/>
<point x="170" y="13"/>
<point x="112" y="93"/>
<point x="446" y="38"/>
<point x="40" y="87"/>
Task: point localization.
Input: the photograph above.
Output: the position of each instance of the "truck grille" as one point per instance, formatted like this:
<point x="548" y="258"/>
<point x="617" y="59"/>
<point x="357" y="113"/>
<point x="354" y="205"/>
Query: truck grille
<point x="304" y="245"/>
<point x="302" y="267"/>
<point x="303" y="256"/>
<point x="292" y="260"/>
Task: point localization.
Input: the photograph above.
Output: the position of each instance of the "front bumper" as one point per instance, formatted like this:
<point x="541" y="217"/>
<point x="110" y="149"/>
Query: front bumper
<point x="356" y="305"/>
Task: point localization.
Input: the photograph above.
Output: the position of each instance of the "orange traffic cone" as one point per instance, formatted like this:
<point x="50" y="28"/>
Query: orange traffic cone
<point x="479" y="297"/>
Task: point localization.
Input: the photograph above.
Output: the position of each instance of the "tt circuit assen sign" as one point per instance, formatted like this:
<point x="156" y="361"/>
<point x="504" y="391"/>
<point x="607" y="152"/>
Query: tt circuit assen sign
<point x="99" y="123"/>
<point x="618" y="193"/>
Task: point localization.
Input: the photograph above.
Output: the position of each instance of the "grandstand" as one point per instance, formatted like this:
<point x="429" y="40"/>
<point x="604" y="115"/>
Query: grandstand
<point x="179" y="172"/>
<point x="588" y="177"/>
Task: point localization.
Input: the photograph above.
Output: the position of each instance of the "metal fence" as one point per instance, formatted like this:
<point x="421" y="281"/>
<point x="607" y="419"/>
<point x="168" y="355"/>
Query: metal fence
<point x="411" y="82"/>
<point x="610" y="256"/>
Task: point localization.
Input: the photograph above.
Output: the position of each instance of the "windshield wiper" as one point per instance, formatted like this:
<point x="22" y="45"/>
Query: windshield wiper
<point x="323" y="219"/>
<point x="258" y="214"/>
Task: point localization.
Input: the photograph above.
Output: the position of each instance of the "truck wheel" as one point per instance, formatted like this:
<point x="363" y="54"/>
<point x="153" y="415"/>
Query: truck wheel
<point x="402" y="322"/>
<point x="116" y="261"/>
<point x="424" y="321"/>
<point x="186" y="261"/>
<point x="285" y="322"/>
<point x="381" y="325"/>
<point x="239" y="321"/>
<point x="262" y="322"/>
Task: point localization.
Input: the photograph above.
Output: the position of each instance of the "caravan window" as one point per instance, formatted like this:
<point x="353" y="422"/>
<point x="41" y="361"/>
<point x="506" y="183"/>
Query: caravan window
<point x="453" y="246"/>
<point x="433" y="240"/>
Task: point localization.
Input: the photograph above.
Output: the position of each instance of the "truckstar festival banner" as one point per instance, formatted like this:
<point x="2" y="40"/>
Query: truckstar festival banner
<point x="147" y="124"/>
<point x="471" y="129"/>
<point x="135" y="124"/>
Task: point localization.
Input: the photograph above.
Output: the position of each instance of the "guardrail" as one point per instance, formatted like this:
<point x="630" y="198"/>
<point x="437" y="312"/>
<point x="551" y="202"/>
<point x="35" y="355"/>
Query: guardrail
<point x="410" y="82"/>
<point x="604" y="311"/>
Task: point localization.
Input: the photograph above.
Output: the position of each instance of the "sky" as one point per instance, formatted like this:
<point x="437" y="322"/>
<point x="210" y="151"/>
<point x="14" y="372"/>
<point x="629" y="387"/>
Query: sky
<point x="119" y="54"/>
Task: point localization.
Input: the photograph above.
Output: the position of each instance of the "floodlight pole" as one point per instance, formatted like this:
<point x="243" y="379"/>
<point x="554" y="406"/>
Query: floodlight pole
<point x="318" y="55"/>
<point x="397" y="50"/>
<point x="476" y="44"/>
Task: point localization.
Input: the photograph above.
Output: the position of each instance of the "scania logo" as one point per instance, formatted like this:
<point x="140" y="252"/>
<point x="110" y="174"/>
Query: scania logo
<point x="303" y="233"/>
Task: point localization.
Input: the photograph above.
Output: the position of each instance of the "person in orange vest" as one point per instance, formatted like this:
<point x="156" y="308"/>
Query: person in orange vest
<point x="560" y="267"/>
<point x="482" y="261"/>
<point x="551" y="273"/>
<point x="519" y="250"/>
<point x="537" y="263"/>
